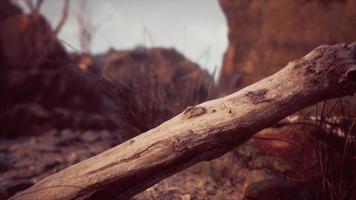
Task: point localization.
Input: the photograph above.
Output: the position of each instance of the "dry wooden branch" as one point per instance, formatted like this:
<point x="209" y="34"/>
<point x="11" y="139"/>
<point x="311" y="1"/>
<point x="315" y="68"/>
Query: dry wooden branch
<point x="205" y="131"/>
<point x="38" y="5"/>
<point x="86" y="27"/>
<point x="34" y="6"/>
<point x="63" y="17"/>
<point x="30" y="5"/>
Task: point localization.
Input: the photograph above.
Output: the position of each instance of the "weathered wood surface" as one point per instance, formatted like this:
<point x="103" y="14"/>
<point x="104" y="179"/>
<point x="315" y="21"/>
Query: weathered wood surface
<point x="204" y="131"/>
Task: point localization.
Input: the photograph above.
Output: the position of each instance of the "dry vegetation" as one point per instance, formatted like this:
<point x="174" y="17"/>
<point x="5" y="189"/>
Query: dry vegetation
<point x="335" y="148"/>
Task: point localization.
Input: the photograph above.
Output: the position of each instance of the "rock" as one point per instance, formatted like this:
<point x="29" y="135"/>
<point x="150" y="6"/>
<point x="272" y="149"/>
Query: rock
<point x="67" y="137"/>
<point x="186" y="197"/>
<point x="286" y="151"/>
<point x="106" y="134"/>
<point x="8" y="9"/>
<point x="277" y="189"/>
<point x="265" y="35"/>
<point x="50" y="164"/>
<point x="72" y="158"/>
<point x="37" y="74"/>
<point x="90" y="136"/>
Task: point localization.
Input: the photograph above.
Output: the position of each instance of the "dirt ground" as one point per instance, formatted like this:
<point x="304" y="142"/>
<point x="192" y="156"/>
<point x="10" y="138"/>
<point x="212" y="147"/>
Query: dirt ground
<point x="26" y="160"/>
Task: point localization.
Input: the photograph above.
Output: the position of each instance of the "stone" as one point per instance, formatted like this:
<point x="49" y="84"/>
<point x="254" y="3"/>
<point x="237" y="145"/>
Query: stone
<point x="90" y="136"/>
<point x="277" y="188"/>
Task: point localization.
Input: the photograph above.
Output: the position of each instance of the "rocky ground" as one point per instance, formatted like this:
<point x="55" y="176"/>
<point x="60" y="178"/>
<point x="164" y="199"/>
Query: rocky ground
<point x="25" y="160"/>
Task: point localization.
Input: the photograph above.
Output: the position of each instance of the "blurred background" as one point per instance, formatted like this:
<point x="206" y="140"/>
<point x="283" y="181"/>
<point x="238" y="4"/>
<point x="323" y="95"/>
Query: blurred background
<point x="197" y="29"/>
<point x="78" y="77"/>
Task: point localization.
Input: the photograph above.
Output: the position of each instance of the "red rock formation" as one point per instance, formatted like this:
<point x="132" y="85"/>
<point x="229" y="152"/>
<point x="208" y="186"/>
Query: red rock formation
<point x="264" y="35"/>
<point x="39" y="85"/>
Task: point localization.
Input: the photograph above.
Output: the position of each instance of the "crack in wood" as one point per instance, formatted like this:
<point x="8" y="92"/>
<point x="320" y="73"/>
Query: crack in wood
<point x="125" y="160"/>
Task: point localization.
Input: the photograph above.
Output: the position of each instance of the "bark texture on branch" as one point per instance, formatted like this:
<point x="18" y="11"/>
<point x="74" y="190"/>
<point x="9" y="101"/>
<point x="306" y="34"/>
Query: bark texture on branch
<point x="205" y="131"/>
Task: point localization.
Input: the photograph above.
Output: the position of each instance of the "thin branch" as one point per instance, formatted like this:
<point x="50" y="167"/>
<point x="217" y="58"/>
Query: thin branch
<point x="63" y="18"/>
<point x="38" y="5"/>
<point x="30" y="5"/>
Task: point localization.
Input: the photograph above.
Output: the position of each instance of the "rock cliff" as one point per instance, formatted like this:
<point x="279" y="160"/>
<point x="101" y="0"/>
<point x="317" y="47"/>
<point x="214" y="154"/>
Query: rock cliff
<point x="265" y="35"/>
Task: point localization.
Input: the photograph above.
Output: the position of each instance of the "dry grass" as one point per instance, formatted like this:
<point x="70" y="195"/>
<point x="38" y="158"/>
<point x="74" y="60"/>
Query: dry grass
<point x="148" y="100"/>
<point x="335" y="153"/>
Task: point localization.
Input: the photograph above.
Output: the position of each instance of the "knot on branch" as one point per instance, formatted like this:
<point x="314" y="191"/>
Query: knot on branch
<point x="330" y="67"/>
<point x="258" y="96"/>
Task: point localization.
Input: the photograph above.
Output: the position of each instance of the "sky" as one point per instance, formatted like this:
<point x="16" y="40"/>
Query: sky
<point x="196" y="28"/>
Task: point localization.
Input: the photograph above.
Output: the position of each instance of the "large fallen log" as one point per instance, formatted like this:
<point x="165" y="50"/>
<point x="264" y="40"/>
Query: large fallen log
<point x="205" y="131"/>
